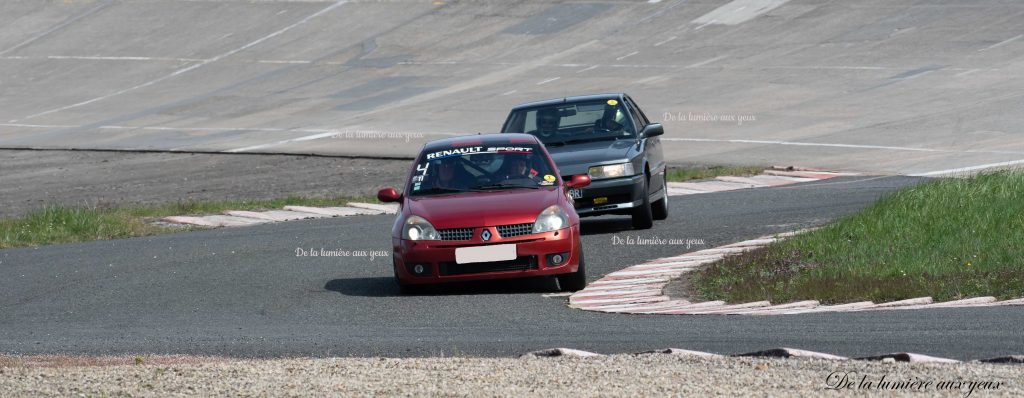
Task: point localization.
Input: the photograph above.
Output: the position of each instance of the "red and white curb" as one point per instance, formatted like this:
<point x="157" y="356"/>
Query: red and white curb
<point x="639" y="290"/>
<point x="773" y="177"/>
<point x="781" y="352"/>
<point x="241" y="218"/>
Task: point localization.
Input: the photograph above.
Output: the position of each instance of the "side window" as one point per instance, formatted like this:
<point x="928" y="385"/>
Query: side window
<point x="643" y="118"/>
<point x="530" y="122"/>
<point x="640" y="123"/>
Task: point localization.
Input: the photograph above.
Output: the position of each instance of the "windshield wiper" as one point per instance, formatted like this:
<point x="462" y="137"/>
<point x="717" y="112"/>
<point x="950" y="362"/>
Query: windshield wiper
<point x="438" y="190"/>
<point x="582" y="140"/>
<point x="505" y="186"/>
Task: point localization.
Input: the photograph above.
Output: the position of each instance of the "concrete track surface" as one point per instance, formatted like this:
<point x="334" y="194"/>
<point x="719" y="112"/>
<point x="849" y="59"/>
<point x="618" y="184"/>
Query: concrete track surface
<point x="888" y="86"/>
<point x="245" y="292"/>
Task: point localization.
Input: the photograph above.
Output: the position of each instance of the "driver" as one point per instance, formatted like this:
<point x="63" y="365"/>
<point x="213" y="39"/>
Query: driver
<point x="610" y="121"/>
<point x="547" y="122"/>
<point x="447" y="177"/>
<point x="519" y="168"/>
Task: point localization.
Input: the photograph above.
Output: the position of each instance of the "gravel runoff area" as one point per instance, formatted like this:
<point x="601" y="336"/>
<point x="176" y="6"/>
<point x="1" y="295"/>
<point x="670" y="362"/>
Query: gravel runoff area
<point x="616" y="375"/>
<point x="33" y="179"/>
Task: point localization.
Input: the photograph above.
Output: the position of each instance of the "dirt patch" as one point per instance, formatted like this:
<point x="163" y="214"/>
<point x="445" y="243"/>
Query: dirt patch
<point x="32" y="179"/>
<point x="613" y="376"/>
<point x="56" y="361"/>
<point x="681" y="288"/>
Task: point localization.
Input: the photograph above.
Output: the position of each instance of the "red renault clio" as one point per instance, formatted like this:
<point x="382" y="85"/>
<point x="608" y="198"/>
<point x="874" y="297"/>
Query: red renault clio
<point x="486" y="207"/>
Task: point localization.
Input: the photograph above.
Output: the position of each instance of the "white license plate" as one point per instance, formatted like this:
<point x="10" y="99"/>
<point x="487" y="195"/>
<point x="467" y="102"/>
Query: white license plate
<point x="483" y="254"/>
<point x="576" y="193"/>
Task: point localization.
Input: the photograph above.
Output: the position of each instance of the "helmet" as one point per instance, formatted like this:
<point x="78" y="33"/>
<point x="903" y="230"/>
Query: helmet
<point x="612" y="113"/>
<point x="548" y="117"/>
<point x="512" y="160"/>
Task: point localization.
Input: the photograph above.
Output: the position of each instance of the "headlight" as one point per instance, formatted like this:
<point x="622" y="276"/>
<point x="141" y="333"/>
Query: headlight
<point x="417" y="228"/>
<point x="552" y="218"/>
<point x="611" y="171"/>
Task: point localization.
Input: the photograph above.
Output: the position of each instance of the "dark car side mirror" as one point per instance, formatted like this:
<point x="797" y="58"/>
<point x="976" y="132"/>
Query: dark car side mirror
<point x="578" y="181"/>
<point x="387" y="195"/>
<point x="652" y="130"/>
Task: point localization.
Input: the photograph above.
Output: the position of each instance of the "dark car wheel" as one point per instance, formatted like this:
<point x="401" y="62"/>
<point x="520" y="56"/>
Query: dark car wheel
<point x="660" y="208"/>
<point x="575" y="281"/>
<point x="642" y="217"/>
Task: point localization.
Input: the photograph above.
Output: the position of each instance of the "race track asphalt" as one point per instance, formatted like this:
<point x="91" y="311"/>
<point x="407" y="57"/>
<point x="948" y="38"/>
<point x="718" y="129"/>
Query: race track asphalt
<point x="244" y="292"/>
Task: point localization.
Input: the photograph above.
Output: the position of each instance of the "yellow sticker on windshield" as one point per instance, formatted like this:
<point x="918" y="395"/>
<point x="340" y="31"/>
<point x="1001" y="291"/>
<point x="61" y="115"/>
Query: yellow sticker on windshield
<point x="613" y="102"/>
<point x="549" y="178"/>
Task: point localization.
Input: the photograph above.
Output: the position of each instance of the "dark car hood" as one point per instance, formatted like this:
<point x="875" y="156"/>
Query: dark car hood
<point x="577" y="158"/>
<point x="476" y="209"/>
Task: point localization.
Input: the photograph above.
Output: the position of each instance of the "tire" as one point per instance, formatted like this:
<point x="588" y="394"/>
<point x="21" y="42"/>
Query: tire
<point x="660" y="208"/>
<point x="406" y="290"/>
<point x="642" y="216"/>
<point x="575" y="281"/>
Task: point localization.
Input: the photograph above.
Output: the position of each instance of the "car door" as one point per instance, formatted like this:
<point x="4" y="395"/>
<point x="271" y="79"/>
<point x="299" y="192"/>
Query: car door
<point x="651" y="146"/>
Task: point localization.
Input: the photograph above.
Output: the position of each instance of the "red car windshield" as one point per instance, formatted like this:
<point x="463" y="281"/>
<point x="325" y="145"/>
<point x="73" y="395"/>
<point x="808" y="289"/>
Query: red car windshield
<point x="481" y="168"/>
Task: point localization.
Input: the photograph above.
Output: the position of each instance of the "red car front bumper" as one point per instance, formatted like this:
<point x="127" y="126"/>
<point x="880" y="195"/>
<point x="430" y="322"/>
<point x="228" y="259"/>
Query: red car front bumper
<point x="534" y="254"/>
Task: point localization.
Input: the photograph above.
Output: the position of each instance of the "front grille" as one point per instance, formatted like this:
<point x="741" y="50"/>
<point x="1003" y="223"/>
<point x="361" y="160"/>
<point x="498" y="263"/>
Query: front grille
<point x="519" y="264"/>
<point x="456" y="233"/>
<point x="508" y="231"/>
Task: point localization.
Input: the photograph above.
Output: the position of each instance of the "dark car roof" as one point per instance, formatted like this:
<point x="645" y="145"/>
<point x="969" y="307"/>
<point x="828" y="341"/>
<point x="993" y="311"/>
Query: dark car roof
<point x="483" y="139"/>
<point x="578" y="98"/>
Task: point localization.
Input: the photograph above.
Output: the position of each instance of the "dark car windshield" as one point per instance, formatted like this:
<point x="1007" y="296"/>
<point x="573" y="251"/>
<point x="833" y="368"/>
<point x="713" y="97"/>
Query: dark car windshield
<point x="481" y="168"/>
<point x="573" y="122"/>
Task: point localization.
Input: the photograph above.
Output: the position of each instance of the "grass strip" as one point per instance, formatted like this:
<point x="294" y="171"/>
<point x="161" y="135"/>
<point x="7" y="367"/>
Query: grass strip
<point x="59" y="224"/>
<point x="948" y="239"/>
<point x="705" y="172"/>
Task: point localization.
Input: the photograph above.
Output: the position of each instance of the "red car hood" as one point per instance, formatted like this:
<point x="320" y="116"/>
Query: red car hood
<point x="478" y="209"/>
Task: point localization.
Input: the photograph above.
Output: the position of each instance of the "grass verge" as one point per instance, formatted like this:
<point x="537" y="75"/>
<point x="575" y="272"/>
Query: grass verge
<point x="704" y="172"/>
<point x="948" y="239"/>
<point x="58" y="224"/>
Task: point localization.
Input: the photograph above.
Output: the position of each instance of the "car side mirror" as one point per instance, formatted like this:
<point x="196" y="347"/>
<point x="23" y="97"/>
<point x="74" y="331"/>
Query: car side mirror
<point x="652" y="130"/>
<point x="387" y="195"/>
<point x="579" y="181"/>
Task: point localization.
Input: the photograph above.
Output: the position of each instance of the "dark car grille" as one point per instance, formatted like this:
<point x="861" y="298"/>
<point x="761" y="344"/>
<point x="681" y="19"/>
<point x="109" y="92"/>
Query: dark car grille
<point x="519" y="264"/>
<point x="456" y="233"/>
<point x="508" y="231"/>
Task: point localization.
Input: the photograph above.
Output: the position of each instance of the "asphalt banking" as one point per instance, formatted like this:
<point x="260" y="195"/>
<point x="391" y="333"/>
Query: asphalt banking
<point x="244" y="292"/>
<point x="885" y="87"/>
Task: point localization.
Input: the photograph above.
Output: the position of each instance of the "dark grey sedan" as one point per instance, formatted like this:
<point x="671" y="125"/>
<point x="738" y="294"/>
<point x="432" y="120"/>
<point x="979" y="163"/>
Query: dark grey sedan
<point x="608" y="137"/>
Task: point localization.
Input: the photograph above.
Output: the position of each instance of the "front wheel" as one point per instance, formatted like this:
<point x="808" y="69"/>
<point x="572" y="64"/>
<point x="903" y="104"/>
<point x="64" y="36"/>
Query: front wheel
<point x="404" y="288"/>
<point x="660" y="208"/>
<point x="575" y="281"/>
<point x="642" y="216"/>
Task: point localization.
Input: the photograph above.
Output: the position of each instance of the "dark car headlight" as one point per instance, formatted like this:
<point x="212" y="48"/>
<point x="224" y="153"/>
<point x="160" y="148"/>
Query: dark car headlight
<point x="611" y="171"/>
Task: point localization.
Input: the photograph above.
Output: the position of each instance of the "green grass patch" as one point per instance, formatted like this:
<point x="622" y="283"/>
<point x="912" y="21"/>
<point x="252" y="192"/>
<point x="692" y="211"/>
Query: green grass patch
<point x="948" y="239"/>
<point x="57" y="224"/>
<point x="705" y="172"/>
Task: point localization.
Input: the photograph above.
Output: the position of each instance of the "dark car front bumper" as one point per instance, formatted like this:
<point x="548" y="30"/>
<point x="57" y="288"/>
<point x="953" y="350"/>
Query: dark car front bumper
<point x="620" y="196"/>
